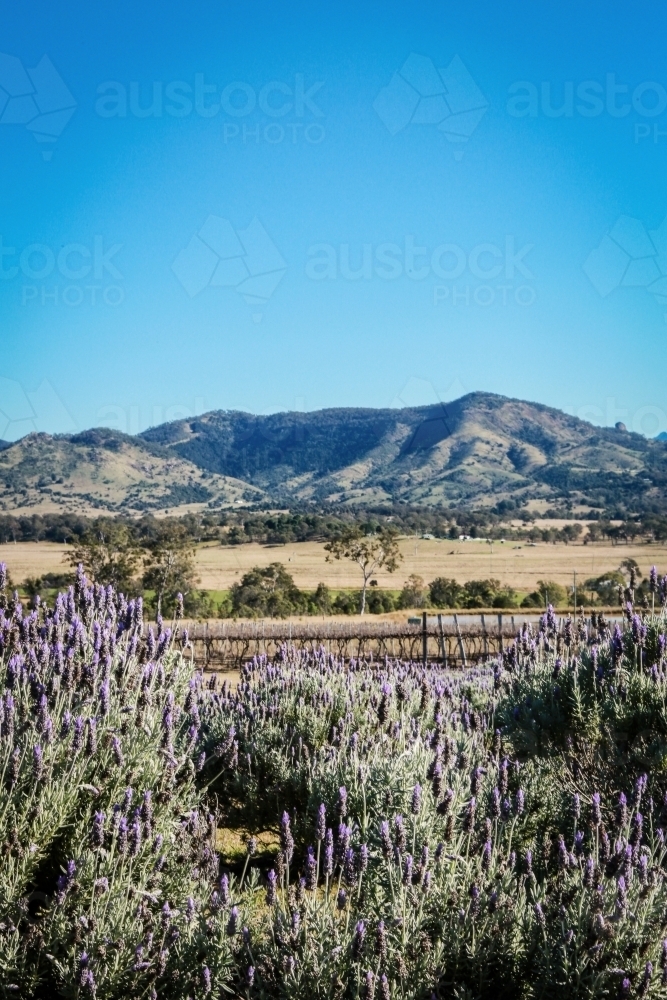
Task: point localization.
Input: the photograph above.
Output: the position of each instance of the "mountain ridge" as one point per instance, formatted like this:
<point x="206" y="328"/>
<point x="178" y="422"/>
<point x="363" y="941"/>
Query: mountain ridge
<point x="477" y="451"/>
<point x="466" y="451"/>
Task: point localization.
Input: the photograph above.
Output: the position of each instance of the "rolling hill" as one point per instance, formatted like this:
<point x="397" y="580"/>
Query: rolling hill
<point x="476" y="452"/>
<point x="103" y="471"/>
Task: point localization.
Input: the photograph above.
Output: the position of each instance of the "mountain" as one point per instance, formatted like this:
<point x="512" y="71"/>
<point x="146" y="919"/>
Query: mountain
<point x="478" y="450"/>
<point x="662" y="436"/>
<point x="104" y="471"/>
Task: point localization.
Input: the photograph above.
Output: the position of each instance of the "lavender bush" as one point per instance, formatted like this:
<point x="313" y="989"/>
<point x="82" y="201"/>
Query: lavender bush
<point x="490" y="833"/>
<point x="108" y="877"/>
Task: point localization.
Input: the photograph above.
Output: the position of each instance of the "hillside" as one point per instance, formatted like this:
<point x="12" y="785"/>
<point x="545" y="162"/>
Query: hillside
<point x="475" y="452"/>
<point x="105" y="471"/>
<point x="478" y="450"/>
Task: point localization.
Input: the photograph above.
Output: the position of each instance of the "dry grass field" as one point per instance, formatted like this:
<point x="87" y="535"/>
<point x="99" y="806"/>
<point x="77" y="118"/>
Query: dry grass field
<point x="515" y="564"/>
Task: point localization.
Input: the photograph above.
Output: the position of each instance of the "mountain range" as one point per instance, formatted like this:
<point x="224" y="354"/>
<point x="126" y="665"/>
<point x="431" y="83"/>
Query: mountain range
<point x="476" y="451"/>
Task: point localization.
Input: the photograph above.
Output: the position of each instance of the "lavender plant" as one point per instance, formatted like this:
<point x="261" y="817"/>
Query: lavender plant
<point x="490" y="833"/>
<point x="108" y="873"/>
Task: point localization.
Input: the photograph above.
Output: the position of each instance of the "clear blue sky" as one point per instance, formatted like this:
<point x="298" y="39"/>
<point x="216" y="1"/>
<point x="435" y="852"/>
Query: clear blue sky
<point x="239" y="205"/>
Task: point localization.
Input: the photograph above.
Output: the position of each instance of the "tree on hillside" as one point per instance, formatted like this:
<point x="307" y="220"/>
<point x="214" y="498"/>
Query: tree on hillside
<point x="369" y="552"/>
<point x="109" y="555"/>
<point x="169" y="568"/>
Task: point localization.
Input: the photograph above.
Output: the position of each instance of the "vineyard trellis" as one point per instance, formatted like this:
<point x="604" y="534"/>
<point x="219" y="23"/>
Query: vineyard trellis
<point x="456" y="642"/>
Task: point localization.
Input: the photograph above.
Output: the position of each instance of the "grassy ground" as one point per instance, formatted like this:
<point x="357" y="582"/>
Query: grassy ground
<point x="514" y="564"/>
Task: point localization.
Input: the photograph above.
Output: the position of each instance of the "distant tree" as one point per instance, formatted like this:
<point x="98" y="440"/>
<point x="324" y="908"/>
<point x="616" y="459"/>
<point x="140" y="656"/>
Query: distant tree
<point x="267" y="591"/>
<point x="414" y="594"/>
<point x="548" y="592"/>
<point x="345" y="604"/>
<point x="371" y="552"/>
<point x="169" y="568"/>
<point x="445" y="593"/>
<point x="380" y="601"/>
<point x="571" y="532"/>
<point x="605" y="587"/>
<point x="480" y="593"/>
<point x="109" y="554"/>
<point x="322" y="599"/>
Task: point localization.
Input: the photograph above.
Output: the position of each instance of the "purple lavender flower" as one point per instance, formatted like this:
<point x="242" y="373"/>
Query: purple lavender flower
<point x="105" y="694"/>
<point x="621" y="893"/>
<point x="469" y="818"/>
<point x="358" y="939"/>
<point x="37" y="762"/>
<point x="385" y="704"/>
<point x="363" y="859"/>
<point x="415" y="805"/>
<point x="385" y="838"/>
<point x="321" y="824"/>
<point x="97" y="836"/>
<point x="77" y="739"/>
<point x="519" y="802"/>
<point x="407" y="870"/>
<point x="64" y="882"/>
<point x="596" y="812"/>
<point x="121" y="842"/>
<point x="135" y="838"/>
<point x="341" y="899"/>
<point x="653" y="580"/>
<point x="311" y="871"/>
<point x="399" y="833"/>
<point x="232" y="924"/>
<point x="101" y="886"/>
<point x="250" y="975"/>
<point x="622" y="810"/>
<point x="486" y="856"/>
<point x="286" y="839"/>
<point x="329" y="855"/>
<point x="539" y="915"/>
<point x="271" y="891"/>
<point x="91" y="737"/>
<point x="341" y="805"/>
<point x="117" y="751"/>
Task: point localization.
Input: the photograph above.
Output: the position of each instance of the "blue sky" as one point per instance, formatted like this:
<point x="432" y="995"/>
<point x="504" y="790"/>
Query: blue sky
<point x="226" y="205"/>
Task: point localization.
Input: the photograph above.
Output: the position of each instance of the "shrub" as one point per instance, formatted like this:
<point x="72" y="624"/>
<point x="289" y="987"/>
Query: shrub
<point x="267" y="591"/>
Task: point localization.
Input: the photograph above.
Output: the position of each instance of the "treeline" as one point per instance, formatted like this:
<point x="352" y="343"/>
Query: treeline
<point x="270" y="592"/>
<point x="271" y="528"/>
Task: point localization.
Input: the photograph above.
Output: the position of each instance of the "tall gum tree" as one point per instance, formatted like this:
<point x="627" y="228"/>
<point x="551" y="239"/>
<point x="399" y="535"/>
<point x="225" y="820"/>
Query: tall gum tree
<point x="370" y="552"/>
